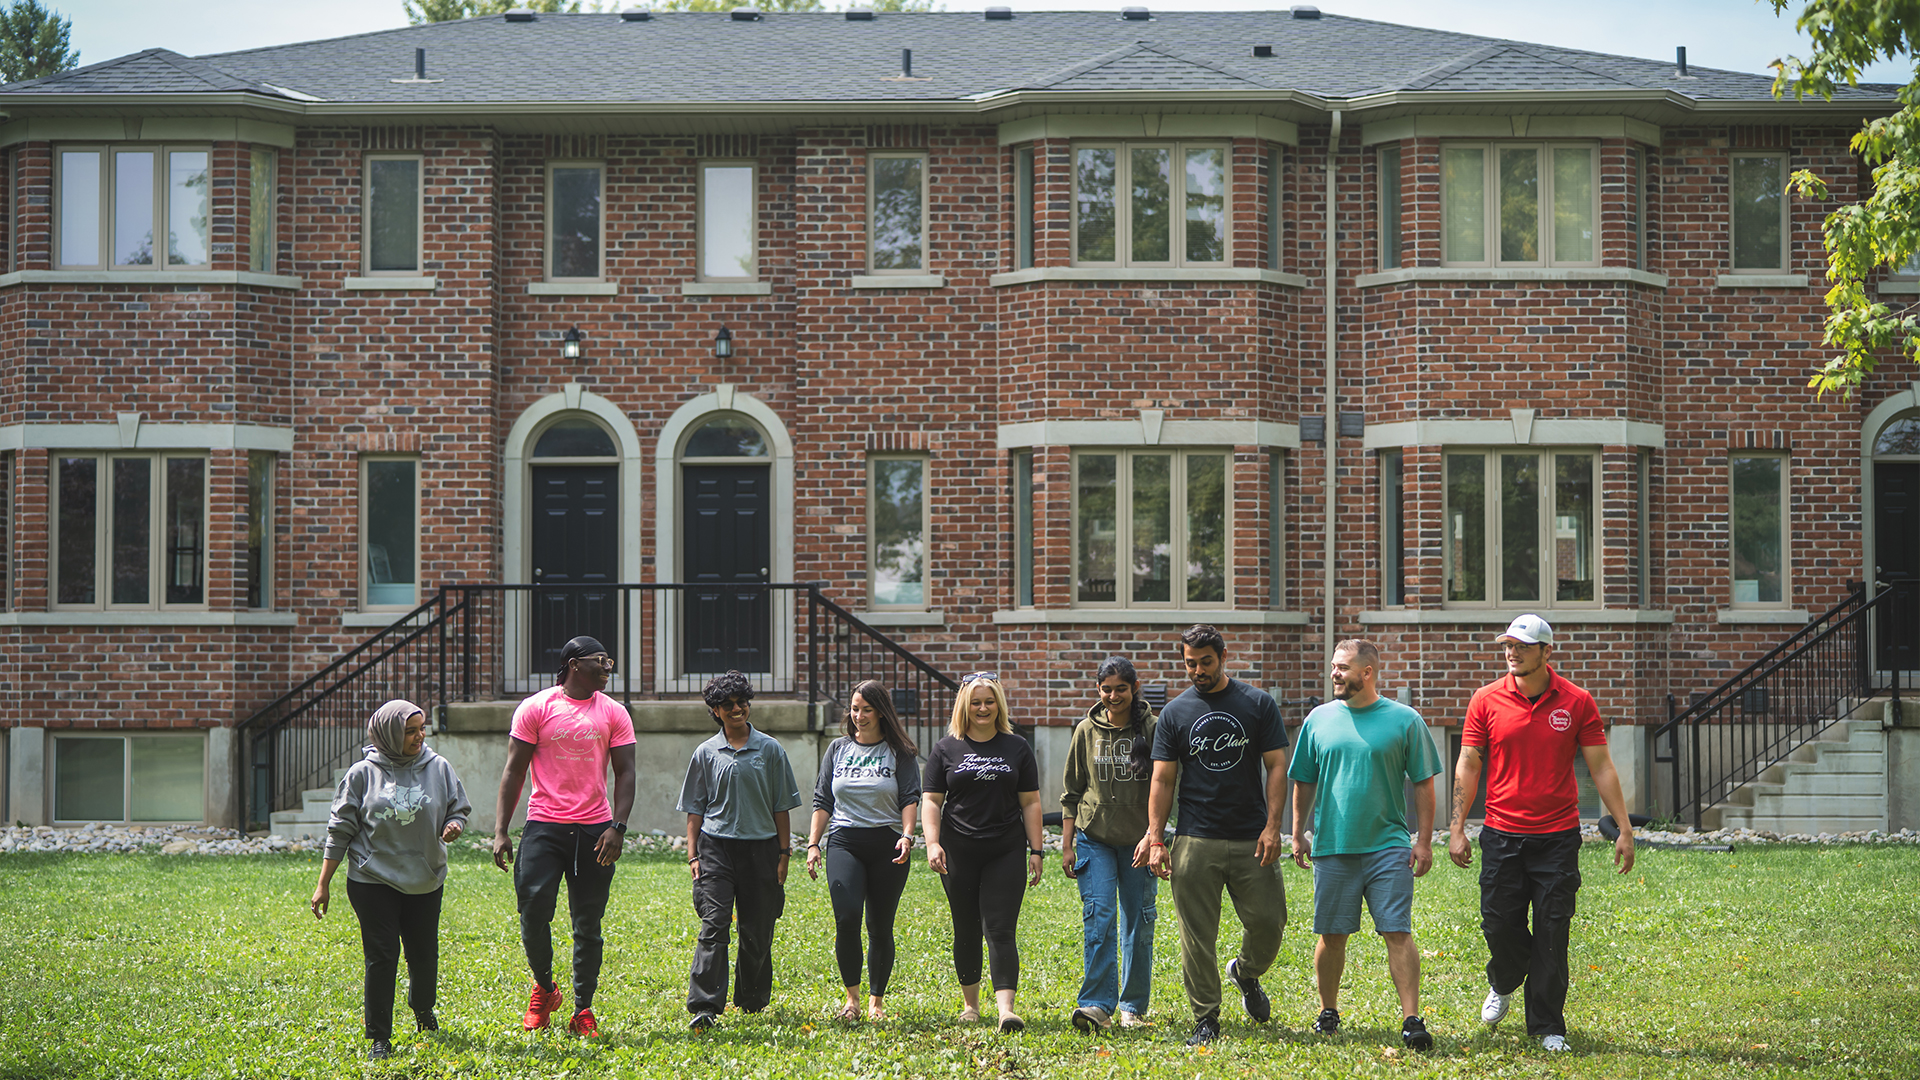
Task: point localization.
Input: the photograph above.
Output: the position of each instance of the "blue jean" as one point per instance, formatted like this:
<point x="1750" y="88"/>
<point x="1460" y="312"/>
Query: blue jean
<point x="1119" y="966"/>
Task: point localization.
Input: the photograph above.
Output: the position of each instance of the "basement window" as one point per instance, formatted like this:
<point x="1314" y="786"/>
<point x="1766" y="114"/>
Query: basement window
<point x="130" y="778"/>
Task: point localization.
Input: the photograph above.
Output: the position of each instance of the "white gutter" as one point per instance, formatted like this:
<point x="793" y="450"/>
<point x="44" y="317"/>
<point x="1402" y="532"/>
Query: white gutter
<point x="1329" y="443"/>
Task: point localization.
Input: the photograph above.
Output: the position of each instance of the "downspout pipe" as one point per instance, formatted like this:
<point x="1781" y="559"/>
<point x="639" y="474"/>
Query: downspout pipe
<point x="1328" y="443"/>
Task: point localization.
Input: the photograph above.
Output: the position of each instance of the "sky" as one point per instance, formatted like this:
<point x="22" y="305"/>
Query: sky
<point x="1737" y="35"/>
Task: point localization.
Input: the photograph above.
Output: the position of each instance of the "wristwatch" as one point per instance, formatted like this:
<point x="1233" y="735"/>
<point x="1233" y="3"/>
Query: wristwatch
<point x="1032" y="851"/>
<point x="621" y="827"/>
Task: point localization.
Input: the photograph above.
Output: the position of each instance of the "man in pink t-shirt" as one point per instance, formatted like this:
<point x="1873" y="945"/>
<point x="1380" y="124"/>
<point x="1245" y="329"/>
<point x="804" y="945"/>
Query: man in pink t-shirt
<point x="566" y="736"/>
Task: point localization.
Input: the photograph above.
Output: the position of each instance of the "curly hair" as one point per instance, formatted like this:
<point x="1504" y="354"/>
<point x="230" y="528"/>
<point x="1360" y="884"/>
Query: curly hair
<point x="726" y="685"/>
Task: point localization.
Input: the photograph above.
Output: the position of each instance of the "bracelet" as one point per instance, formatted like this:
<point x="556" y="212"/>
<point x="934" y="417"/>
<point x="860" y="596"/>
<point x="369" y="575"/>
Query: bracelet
<point x="810" y="847"/>
<point x="693" y="860"/>
<point x="1036" y="854"/>
<point x="1156" y="843"/>
<point x="786" y="851"/>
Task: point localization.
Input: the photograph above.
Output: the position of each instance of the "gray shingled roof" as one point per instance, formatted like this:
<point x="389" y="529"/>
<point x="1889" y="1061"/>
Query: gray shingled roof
<point x="710" y="58"/>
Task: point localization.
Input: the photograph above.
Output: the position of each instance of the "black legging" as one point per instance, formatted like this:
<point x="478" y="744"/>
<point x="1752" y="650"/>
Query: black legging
<point x="390" y="919"/>
<point x="861" y="874"/>
<point x="985" y="883"/>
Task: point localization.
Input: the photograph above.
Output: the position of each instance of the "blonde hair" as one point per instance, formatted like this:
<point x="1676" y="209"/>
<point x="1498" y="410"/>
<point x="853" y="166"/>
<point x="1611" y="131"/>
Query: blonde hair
<point x="958" y="727"/>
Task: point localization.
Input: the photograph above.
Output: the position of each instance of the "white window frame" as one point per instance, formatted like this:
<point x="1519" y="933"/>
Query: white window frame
<point x="126" y="774"/>
<point x="1276" y="529"/>
<point x="926" y="185"/>
<point x="1543" y="225"/>
<point x="1386" y="171"/>
<point x="700" y="216"/>
<point x="1023" y="198"/>
<point x="103" y="529"/>
<point x="104" y="212"/>
<point x="1733" y="215"/>
<point x="267" y="521"/>
<point x="9" y="496"/>
<point x="600" y="240"/>
<point x="419" y="214"/>
<point x="1021" y="462"/>
<point x="1176" y="200"/>
<point x="1545" y="528"/>
<point x="1276" y="196"/>
<point x="1785" y="538"/>
<point x="262" y="230"/>
<point x="926" y="531"/>
<point x="1391" y="466"/>
<point x="362" y="571"/>
<point x="1177" y="510"/>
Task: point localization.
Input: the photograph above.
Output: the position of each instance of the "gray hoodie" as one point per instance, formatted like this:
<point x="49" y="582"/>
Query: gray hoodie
<point x="387" y="819"/>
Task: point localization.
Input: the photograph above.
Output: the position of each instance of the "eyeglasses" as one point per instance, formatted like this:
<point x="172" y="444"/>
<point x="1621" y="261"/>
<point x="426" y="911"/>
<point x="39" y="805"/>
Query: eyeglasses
<point x="979" y="676"/>
<point x="602" y="659"/>
<point x="1515" y="647"/>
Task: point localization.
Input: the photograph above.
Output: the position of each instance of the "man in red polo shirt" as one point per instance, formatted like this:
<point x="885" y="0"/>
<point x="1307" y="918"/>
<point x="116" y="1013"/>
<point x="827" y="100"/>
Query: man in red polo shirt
<point x="1525" y="730"/>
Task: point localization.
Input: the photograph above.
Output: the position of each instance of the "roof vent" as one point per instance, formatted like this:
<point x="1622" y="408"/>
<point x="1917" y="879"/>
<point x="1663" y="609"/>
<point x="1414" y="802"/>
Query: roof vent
<point x="520" y="14"/>
<point x="999" y="14"/>
<point x="859" y="14"/>
<point x="1305" y="11"/>
<point x="1263" y="50"/>
<point x="1680" y="61"/>
<point x="1136" y="14"/>
<point x="636" y="14"/>
<point x="745" y="14"/>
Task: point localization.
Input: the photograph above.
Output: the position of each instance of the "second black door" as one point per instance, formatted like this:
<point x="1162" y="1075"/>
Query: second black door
<point x="728" y="542"/>
<point x="1896" y="542"/>
<point x="576" y="560"/>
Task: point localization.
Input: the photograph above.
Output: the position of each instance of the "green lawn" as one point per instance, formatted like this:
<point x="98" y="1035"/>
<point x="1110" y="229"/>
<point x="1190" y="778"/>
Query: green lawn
<point x="1767" y="962"/>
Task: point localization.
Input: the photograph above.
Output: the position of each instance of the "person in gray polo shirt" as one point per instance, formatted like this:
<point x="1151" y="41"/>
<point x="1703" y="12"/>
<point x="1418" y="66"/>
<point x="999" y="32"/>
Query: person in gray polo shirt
<point x="738" y="791"/>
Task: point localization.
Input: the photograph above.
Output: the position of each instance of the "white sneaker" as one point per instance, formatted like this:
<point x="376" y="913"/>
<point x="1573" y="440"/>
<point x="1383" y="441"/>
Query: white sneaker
<point x="1555" y="1044"/>
<point x="1133" y="1020"/>
<point x="1495" y="1009"/>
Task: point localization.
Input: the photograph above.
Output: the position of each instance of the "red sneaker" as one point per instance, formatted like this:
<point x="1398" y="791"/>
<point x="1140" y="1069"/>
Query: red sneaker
<point x="583" y="1024"/>
<point x="540" y="1007"/>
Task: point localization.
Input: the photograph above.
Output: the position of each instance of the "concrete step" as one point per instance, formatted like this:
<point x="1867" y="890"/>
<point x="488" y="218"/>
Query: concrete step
<point x="1827" y="784"/>
<point x="290" y="824"/>
<point x="1737" y="819"/>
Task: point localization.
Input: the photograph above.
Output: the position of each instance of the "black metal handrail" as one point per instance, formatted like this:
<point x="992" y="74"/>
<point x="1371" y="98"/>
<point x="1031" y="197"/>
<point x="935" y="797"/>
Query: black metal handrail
<point x="494" y="641"/>
<point x="1820" y="675"/>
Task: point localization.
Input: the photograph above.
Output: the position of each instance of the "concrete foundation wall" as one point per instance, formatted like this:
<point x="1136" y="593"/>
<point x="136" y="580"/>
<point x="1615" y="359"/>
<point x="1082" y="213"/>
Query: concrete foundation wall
<point x="1903" y="766"/>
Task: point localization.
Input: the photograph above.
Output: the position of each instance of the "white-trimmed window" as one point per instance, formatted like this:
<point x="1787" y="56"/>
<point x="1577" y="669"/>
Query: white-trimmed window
<point x="729" y="223"/>
<point x="896" y="213"/>
<point x="130" y="531"/>
<point x="1276" y="204"/>
<point x="1757" y="531"/>
<point x="1522" y="527"/>
<point x="1393" y="528"/>
<point x="129" y="778"/>
<point x="395" y="206"/>
<point x="263" y="179"/>
<point x="897" y="530"/>
<point x="258" y="572"/>
<point x="1023" y="216"/>
<point x="1387" y="172"/>
<point x="1023" y="538"/>
<point x="576" y="220"/>
<point x="1520" y="204"/>
<point x="1757" y="183"/>
<point x="1150" y="528"/>
<point x="389" y="533"/>
<point x="134" y="206"/>
<point x="1150" y="204"/>
<point x="6" y="530"/>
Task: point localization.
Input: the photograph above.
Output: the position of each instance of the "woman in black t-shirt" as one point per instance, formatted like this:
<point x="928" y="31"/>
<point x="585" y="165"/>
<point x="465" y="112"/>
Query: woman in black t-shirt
<point x="980" y="811"/>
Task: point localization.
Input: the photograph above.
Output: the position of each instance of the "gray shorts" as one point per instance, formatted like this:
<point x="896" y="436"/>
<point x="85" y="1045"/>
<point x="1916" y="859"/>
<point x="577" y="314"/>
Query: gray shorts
<point x="1383" y="878"/>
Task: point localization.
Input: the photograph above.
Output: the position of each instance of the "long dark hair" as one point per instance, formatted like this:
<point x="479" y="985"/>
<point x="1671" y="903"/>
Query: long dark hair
<point x="891" y="732"/>
<point x="1140" y="760"/>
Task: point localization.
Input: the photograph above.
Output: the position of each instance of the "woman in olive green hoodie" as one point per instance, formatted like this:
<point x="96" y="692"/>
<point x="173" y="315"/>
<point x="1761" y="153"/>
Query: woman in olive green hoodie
<point x="1109" y="769"/>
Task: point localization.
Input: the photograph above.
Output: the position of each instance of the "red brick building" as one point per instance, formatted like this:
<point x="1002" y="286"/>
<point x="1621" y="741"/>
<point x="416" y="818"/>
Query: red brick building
<point x="1050" y="334"/>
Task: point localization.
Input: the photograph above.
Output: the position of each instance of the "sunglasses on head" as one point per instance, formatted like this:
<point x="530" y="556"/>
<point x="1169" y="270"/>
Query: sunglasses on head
<point x="979" y="676"/>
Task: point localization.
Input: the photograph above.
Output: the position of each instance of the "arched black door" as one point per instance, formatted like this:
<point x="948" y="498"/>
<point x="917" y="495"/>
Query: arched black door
<point x="727" y="538"/>
<point x="575" y="542"/>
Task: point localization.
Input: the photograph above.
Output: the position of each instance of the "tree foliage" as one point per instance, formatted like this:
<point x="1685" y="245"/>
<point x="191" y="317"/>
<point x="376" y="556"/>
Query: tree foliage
<point x="1883" y="229"/>
<point x="33" y="42"/>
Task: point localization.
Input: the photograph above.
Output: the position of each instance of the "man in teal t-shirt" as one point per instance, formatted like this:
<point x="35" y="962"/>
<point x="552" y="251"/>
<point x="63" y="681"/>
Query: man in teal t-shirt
<point x="1362" y="749"/>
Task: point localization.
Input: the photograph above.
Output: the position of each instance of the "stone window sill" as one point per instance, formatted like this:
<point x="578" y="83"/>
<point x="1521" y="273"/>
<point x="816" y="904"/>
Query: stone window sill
<point x="1147" y="273"/>
<point x="148" y="618"/>
<point x="897" y="281"/>
<point x="149" y="277"/>
<point x="1472" y="274"/>
<point x="902" y="618"/>
<point x="390" y="284"/>
<point x="574" y="288"/>
<point x="1763" y="617"/>
<point x="1760" y="281"/>
<point x="1147" y="616"/>
<point x="1903" y="287"/>
<point x="726" y="288"/>
<point x="1503" y="616"/>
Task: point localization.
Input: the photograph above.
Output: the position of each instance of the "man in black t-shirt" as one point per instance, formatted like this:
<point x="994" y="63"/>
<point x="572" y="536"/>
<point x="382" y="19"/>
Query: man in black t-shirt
<point x="1223" y="745"/>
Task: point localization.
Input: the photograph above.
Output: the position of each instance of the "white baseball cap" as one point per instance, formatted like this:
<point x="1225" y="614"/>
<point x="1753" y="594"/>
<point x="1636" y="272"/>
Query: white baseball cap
<point x="1528" y="630"/>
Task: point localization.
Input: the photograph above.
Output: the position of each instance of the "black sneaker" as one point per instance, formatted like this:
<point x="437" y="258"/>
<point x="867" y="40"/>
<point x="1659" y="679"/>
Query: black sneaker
<point x="701" y="1022"/>
<point x="1327" y="1022"/>
<point x="1251" y="996"/>
<point x="1205" y="1030"/>
<point x="381" y="1050"/>
<point x="1413" y="1032"/>
<point x="426" y="1021"/>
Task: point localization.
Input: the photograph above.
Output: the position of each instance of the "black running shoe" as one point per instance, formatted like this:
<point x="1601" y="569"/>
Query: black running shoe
<point x="1413" y="1032"/>
<point x="1327" y="1022"/>
<point x="1251" y="996"/>
<point x="381" y="1050"/>
<point x="701" y="1022"/>
<point x="426" y="1021"/>
<point x="1205" y="1031"/>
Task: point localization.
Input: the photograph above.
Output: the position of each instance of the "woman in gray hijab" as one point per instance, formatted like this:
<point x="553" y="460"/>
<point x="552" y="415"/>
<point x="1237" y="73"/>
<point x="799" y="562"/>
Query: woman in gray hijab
<point x="394" y="814"/>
